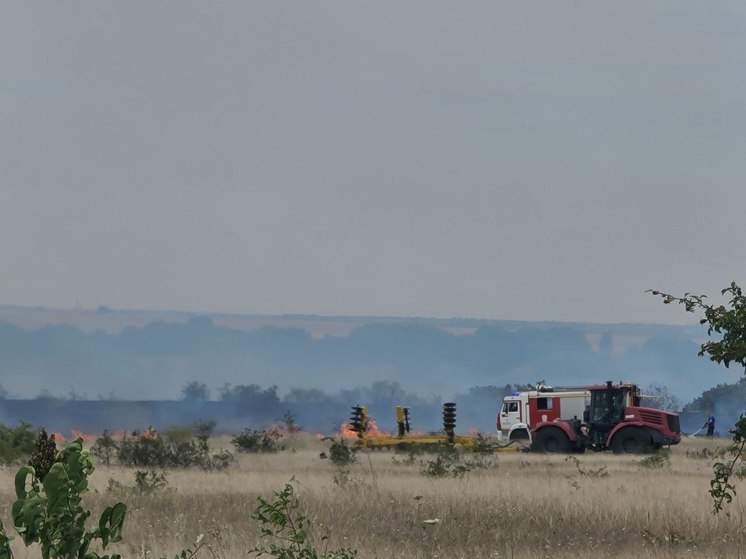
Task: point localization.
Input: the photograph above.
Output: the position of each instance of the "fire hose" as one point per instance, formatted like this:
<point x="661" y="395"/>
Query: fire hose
<point x="697" y="431"/>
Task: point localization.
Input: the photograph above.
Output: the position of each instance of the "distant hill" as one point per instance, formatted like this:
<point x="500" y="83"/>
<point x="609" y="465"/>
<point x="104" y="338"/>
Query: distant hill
<point x="152" y="355"/>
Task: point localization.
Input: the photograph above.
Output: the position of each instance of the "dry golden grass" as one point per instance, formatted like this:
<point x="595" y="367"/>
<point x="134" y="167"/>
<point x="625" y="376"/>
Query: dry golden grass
<point x="526" y="505"/>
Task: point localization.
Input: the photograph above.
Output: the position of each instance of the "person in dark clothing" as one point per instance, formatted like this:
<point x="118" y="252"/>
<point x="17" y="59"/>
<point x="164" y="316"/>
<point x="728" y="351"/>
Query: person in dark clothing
<point x="710" y="424"/>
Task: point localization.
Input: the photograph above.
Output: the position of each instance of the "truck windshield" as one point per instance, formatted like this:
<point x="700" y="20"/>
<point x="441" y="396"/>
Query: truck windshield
<point x="600" y="405"/>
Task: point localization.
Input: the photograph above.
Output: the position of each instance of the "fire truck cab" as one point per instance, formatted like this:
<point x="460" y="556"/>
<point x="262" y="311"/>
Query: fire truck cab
<point x="521" y="411"/>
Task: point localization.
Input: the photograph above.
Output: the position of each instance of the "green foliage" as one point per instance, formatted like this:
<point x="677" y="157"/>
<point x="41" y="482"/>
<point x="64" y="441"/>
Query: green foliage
<point x="729" y="324"/>
<point x="50" y="512"/>
<point x="730" y="394"/>
<point x="5" y="552"/>
<point x="340" y="453"/>
<point x="176" y="449"/>
<point x="253" y="441"/>
<point x="44" y="454"/>
<point x="656" y="460"/>
<point x="105" y="448"/>
<point x="450" y="462"/>
<point x="289" y="530"/>
<point x="721" y="488"/>
<point x="16" y="443"/>
<point x="484" y="445"/>
<point x="342" y="456"/>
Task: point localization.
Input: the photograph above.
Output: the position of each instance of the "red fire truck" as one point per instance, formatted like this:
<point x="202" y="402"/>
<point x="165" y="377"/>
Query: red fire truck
<point x="614" y="421"/>
<point x="522" y="411"/>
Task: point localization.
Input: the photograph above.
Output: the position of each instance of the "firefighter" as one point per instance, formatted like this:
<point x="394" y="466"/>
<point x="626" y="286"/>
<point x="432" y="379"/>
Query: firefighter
<point x="710" y="424"/>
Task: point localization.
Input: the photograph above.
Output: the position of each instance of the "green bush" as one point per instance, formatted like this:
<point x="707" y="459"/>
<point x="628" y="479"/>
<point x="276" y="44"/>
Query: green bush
<point x="289" y="530"/>
<point x="340" y="453"/>
<point x="173" y="450"/>
<point x="253" y="441"/>
<point x="50" y="513"/>
<point x="105" y="448"/>
<point x="16" y="443"/>
<point x="450" y="462"/>
<point x="659" y="459"/>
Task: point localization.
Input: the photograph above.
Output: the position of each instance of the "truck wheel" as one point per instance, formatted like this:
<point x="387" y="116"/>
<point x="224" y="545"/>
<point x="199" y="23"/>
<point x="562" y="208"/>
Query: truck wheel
<point x="630" y="441"/>
<point x="551" y="439"/>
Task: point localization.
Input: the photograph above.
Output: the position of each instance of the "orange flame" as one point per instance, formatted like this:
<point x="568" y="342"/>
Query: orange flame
<point x="87" y="437"/>
<point x="371" y="432"/>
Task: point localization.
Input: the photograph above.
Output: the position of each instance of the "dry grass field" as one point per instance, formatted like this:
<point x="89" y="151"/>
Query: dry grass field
<point x="522" y="505"/>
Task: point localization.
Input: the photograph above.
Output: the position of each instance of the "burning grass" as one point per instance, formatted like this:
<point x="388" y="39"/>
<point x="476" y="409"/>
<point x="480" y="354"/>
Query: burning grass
<point x="530" y="506"/>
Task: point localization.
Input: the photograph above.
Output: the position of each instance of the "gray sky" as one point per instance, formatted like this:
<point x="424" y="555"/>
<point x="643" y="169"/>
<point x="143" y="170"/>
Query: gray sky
<point x="522" y="160"/>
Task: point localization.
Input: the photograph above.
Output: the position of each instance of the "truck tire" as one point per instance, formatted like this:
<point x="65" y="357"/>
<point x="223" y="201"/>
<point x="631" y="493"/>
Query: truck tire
<point x="631" y="441"/>
<point x="552" y="440"/>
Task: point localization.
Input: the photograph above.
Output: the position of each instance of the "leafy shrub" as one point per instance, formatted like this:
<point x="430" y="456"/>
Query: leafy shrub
<point x="450" y="462"/>
<point x="659" y="459"/>
<point x="16" y="443"/>
<point x="340" y="453"/>
<point x="105" y="448"/>
<point x="290" y="530"/>
<point x="484" y="445"/>
<point x="253" y="441"/>
<point x="173" y="450"/>
<point x="50" y="512"/>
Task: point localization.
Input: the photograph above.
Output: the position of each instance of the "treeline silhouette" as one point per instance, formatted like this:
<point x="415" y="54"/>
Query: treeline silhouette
<point x="255" y="376"/>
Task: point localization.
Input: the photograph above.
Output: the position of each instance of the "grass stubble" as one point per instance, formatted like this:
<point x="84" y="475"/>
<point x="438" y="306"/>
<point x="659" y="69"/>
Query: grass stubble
<point x="524" y="505"/>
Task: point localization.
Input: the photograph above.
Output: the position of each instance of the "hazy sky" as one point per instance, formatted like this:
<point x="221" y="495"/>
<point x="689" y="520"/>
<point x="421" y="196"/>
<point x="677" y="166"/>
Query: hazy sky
<point x="522" y="160"/>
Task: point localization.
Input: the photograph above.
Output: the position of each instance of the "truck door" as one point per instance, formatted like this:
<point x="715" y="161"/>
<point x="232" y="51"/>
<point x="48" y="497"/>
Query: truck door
<point x="510" y="414"/>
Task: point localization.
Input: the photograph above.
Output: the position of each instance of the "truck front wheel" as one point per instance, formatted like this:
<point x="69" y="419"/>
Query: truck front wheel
<point x="518" y="435"/>
<point x="630" y="440"/>
<point x="551" y="439"/>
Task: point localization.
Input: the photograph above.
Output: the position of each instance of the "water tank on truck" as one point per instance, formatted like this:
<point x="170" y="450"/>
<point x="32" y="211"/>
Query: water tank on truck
<point x="522" y="411"/>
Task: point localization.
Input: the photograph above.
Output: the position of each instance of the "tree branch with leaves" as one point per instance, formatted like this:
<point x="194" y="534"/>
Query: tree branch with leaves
<point x="727" y="323"/>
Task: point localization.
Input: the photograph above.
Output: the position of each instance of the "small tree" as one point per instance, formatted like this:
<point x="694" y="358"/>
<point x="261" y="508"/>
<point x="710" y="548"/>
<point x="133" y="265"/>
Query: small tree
<point x="105" y="448"/>
<point x="728" y="324"/>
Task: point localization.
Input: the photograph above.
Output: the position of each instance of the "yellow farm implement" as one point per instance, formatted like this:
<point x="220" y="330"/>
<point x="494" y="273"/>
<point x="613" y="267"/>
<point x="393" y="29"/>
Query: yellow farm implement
<point x="360" y="425"/>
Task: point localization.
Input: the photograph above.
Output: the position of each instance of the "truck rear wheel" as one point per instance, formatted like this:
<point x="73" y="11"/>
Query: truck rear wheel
<point x="551" y="439"/>
<point x="630" y="441"/>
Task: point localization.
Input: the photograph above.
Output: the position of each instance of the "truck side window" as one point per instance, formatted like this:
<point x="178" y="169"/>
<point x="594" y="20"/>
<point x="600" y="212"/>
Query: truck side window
<point x="513" y="406"/>
<point x="544" y="403"/>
